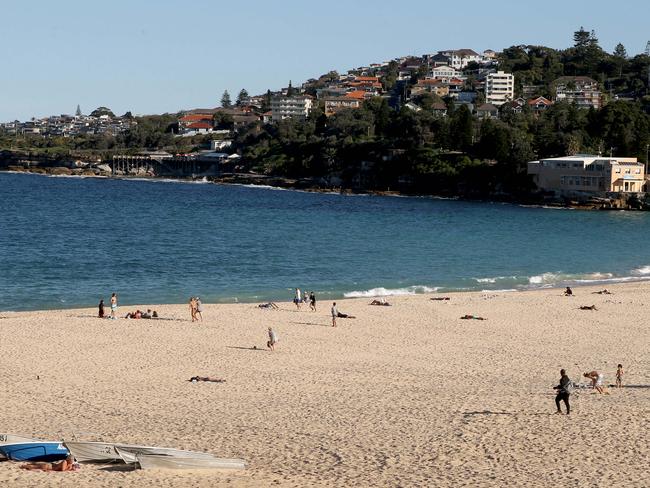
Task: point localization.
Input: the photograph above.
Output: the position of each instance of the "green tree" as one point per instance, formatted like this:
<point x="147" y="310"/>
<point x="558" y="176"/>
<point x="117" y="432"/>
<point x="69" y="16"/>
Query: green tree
<point x="225" y="100"/>
<point x="242" y="98"/>
<point x="266" y="101"/>
<point x="78" y="112"/>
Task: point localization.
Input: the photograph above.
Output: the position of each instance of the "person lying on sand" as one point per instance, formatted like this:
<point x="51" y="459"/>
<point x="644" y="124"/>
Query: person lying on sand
<point x="194" y="379"/>
<point x="474" y="317"/>
<point x="440" y="298"/>
<point x="344" y="315"/>
<point x="269" y="305"/>
<point x="380" y="302"/>
<point x="602" y="292"/>
<point x="68" y="464"/>
<point x="588" y="307"/>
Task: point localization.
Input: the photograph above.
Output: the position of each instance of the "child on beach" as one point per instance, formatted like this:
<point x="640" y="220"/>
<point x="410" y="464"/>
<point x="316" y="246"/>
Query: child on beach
<point x="619" y="376"/>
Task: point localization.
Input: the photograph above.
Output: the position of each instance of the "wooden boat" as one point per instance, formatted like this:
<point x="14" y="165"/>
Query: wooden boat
<point x="161" y="461"/>
<point x="129" y="453"/>
<point x="35" y="451"/>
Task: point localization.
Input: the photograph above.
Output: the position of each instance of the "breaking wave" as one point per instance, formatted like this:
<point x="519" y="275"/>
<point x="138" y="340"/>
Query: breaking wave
<point x="381" y="292"/>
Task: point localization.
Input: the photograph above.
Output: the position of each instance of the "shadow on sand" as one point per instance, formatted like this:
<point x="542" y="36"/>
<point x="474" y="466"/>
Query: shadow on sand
<point x="246" y="348"/>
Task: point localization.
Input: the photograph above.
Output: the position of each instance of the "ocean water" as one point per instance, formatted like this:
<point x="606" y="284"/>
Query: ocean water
<point x="67" y="242"/>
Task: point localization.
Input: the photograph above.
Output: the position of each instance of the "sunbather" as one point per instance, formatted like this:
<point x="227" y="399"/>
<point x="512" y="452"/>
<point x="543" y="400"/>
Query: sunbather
<point x="270" y="305"/>
<point x="381" y="302"/>
<point x="344" y="315"/>
<point x="603" y="292"/>
<point x="440" y="298"/>
<point x="588" y="307"/>
<point x="68" y="464"/>
<point x="474" y="317"/>
<point x="194" y="379"/>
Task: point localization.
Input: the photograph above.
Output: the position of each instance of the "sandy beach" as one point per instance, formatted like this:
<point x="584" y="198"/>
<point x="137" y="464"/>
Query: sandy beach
<point x="407" y="395"/>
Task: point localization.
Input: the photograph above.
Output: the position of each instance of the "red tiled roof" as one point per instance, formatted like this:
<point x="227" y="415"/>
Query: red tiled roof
<point x="195" y="117"/>
<point x="366" y="78"/>
<point x="357" y="95"/>
<point x="200" y="125"/>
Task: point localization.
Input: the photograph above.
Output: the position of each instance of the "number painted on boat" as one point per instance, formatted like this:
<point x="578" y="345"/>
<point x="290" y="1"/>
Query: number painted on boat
<point x="3" y="438"/>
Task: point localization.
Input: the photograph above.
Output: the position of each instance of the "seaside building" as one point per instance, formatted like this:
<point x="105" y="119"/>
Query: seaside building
<point x="588" y="174"/>
<point x="457" y="58"/>
<point x="581" y="90"/>
<point x="290" y="107"/>
<point x="499" y="88"/>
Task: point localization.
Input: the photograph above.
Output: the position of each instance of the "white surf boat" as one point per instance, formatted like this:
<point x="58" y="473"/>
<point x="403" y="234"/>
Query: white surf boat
<point x="90" y="451"/>
<point x="129" y="453"/>
<point x="161" y="461"/>
<point x="14" y="439"/>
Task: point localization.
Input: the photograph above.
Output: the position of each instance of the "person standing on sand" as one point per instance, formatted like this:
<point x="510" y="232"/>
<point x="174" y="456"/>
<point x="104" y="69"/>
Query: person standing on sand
<point x="198" y="314"/>
<point x="312" y="301"/>
<point x="335" y="313"/>
<point x="114" y="306"/>
<point x="192" y="305"/>
<point x="563" y="392"/>
<point x="273" y="339"/>
<point x="297" y="299"/>
<point x="619" y="376"/>
<point x="101" y="309"/>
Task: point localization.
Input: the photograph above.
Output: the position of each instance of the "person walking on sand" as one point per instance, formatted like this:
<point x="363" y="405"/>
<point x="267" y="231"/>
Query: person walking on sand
<point x="563" y="392"/>
<point x="101" y="309"/>
<point x="273" y="339"/>
<point x="114" y="306"/>
<point x="335" y="313"/>
<point x="297" y="299"/>
<point x="198" y="314"/>
<point x="312" y="301"/>
<point x="619" y="376"/>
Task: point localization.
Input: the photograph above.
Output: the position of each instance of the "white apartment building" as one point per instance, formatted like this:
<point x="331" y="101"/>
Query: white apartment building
<point x="499" y="88"/>
<point x="290" y="107"/>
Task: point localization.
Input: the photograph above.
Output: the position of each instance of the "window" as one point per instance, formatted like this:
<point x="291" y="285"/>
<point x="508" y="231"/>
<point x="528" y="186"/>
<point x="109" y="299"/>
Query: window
<point x="618" y="170"/>
<point x="637" y="171"/>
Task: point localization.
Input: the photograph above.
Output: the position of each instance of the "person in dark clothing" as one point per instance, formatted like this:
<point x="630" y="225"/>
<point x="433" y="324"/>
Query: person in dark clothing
<point x="101" y="309"/>
<point x="563" y="392"/>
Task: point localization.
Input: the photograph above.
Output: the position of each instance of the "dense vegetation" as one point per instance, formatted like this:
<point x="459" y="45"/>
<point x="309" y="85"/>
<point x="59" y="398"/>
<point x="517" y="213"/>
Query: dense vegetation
<point x="380" y="147"/>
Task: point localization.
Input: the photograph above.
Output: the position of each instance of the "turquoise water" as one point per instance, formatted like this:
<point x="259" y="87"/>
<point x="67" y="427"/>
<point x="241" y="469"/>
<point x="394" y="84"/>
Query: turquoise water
<point x="67" y="242"/>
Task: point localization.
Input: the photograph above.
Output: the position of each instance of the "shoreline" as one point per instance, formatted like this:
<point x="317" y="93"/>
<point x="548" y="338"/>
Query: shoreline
<point x="341" y="298"/>
<point x="291" y="184"/>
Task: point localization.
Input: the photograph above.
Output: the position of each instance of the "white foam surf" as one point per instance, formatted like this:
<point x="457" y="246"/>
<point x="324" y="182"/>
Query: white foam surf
<point x="382" y="292"/>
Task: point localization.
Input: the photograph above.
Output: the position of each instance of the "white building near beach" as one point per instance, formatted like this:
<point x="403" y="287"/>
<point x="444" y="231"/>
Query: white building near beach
<point x="588" y="174"/>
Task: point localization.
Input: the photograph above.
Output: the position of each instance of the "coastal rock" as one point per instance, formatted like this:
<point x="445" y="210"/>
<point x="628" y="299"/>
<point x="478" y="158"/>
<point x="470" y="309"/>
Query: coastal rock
<point x="59" y="170"/>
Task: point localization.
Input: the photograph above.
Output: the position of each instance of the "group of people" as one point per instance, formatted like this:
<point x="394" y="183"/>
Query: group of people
<point x="102" y="313"/>
<point x="308" y="297"/>
<point x="196" y="309"/>
<point x="566" y="386"/>
<point x="149" y="314"/>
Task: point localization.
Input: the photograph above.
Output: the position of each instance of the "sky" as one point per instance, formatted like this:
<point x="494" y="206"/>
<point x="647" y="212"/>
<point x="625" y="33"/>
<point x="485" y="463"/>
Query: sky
<point x="156" y="56"/>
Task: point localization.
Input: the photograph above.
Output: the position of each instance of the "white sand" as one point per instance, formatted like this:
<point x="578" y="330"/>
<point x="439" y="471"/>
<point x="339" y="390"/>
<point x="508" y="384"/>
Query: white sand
<point x="407" y="395"/>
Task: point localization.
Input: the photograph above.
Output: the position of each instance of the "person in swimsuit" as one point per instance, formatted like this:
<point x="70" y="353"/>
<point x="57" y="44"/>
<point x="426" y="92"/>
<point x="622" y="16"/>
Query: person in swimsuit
<point x="193" y="309"/>
<point x="619" y="376"/>
<point x="114" y="306"/>
<point x="199" y="309"/>
<point x="68" y="464"/>
<point x="596" y="380"/>
<point x="101" y="309"/>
